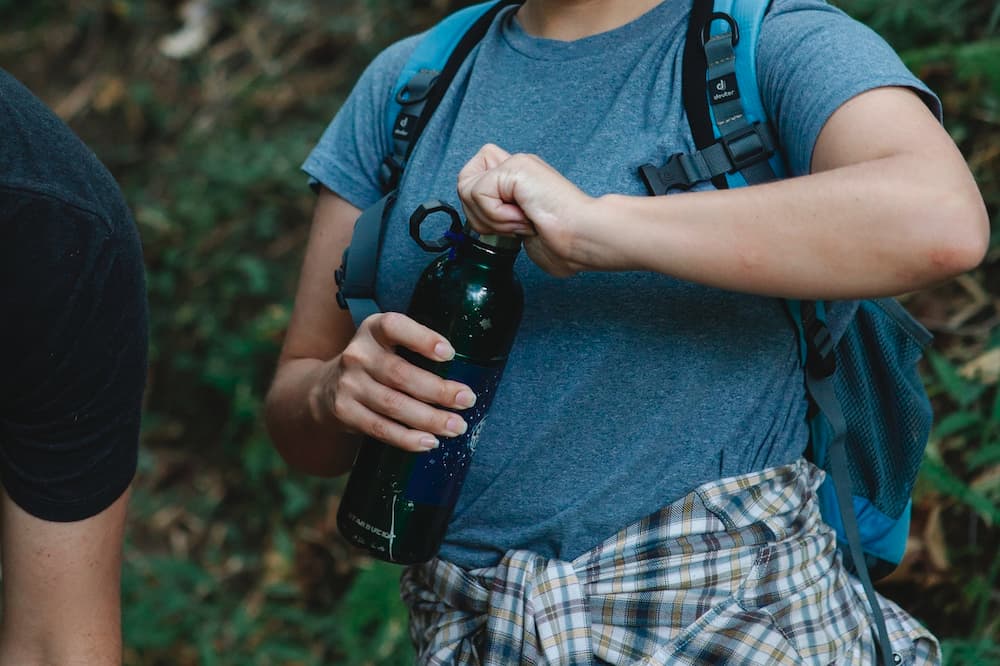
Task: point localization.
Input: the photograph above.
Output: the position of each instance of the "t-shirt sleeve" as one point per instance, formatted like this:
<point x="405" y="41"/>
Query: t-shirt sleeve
<point x="812" y="58"/>
<point x="73" y="351"/>
<point x="347" y="158"/>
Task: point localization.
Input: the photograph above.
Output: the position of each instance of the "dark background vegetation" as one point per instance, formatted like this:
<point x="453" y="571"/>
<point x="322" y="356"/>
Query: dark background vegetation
<point x="204" y="111"/>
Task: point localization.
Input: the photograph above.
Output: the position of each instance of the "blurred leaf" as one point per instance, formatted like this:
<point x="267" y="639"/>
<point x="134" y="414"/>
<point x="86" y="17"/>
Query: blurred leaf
<point x="977" y="60"/>
<point x="945" y="481"/>
<point x="987" y="455"/>
<point x="964" y="392"/>
<point x="957" y="422"/>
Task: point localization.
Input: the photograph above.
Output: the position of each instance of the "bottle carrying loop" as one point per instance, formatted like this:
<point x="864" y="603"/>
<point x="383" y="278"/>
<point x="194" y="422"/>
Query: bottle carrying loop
<point x="425" y="210"/>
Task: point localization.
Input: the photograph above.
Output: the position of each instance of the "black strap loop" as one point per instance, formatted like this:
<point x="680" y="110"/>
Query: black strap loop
<point x="734" y="29"/>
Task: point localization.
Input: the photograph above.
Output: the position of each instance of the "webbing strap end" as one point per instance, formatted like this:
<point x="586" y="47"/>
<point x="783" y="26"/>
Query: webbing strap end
<point x="821" y="359"/>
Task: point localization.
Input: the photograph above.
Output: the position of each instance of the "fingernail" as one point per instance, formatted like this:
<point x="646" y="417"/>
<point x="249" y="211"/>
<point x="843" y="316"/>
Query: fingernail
<point x="444" y="351"/>
<point x="465" y="399"/>
<point x="429" y="442"/>
<point x="456" y="427"/>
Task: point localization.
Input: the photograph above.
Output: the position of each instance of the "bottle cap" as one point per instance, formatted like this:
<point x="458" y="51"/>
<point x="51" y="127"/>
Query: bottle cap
<point x="498" y="242"/>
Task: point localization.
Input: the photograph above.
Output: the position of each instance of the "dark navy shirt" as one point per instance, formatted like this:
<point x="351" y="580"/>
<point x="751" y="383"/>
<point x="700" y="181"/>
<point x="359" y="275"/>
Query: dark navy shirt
<point x="73" y="320"/>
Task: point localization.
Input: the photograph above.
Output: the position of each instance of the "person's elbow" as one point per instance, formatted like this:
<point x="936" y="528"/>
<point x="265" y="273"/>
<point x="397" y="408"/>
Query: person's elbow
<point x="279" y="421"/>
<point x="274" y="416"/>
<point x="962" y="235"/>
<point x="296" y="434"/>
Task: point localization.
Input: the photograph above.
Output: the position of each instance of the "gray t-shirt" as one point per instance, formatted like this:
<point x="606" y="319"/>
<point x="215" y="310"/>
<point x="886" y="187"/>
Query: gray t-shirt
<point x="624" y="391"/>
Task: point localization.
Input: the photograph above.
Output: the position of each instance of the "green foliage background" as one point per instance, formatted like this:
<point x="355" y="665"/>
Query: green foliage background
<point x="233" y="559"/>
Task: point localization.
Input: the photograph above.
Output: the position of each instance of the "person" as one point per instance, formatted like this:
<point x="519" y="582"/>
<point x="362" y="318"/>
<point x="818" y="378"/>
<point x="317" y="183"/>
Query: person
<point x="74" y="365"/>
<point x="638" y="492"/>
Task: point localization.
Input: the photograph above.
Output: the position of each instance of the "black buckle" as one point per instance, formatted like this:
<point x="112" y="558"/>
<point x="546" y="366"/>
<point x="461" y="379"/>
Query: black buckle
<point x="748" y="146"/>
<point x="673" y="174"/>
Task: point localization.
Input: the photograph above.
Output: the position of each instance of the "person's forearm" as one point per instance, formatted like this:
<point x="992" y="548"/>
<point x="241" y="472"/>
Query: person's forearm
<point x="871" y="229"/>
<point x="307" y="440"/>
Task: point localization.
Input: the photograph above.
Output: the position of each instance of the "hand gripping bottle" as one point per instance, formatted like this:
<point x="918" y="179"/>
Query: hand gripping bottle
<point x="397" y="504"/>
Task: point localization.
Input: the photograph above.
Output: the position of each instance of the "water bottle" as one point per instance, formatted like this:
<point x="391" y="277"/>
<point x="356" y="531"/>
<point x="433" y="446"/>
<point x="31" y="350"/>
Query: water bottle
<point x="397" y="504"/>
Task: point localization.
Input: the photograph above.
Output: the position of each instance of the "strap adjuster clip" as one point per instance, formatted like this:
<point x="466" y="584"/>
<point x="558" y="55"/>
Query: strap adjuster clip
<point x="749" y="146"/>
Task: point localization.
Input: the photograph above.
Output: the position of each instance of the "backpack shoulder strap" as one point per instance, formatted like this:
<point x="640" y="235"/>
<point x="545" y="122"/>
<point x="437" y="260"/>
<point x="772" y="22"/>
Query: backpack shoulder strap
<point x="419" y="89"/>
<point x="738" y="148"/>
<point x="736" y="107"/>
<point x="425" y="78"/>
<point x="735" y="141"/>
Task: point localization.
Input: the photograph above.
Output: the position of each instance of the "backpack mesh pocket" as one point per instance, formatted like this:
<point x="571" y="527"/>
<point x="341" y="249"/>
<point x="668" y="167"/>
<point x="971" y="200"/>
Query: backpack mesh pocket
<point x="887" y="411"/>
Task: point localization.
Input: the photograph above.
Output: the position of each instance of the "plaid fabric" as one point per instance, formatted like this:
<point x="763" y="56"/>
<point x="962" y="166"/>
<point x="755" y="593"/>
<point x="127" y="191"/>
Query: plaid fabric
<point x="740" y="571"/>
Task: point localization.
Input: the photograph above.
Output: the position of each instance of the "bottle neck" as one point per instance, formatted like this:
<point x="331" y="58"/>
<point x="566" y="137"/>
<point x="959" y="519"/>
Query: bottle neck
<point x="481" y="251"/>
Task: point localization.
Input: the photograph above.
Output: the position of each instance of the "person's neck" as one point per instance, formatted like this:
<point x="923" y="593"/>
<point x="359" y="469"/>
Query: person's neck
<point x="568" y="20"/>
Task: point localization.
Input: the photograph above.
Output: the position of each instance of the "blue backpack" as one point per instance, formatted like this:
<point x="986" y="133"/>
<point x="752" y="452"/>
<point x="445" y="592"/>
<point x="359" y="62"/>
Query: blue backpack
<point x="869" y="416"/>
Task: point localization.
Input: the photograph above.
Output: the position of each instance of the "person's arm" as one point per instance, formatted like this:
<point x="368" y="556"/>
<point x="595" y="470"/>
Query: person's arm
<point x="61" y="586"/>
<point x="74" y="368"/>
<point x="333" y="383"/>
<point x="890" y="207"/>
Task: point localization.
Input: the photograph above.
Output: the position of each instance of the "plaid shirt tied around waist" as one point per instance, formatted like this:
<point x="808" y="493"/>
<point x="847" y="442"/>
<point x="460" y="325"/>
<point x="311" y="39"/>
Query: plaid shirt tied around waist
<point x="739" y="571"/>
